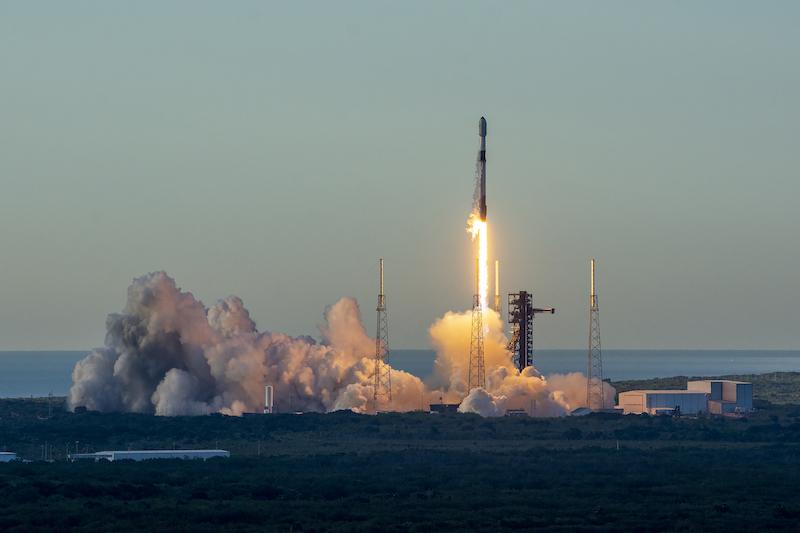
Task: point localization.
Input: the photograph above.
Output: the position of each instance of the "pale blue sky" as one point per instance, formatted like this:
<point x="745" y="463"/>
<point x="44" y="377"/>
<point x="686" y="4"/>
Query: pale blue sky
<point x="276" y="150"/>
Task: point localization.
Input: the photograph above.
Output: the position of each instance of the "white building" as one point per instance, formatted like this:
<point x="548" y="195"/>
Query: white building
<point x="6" y="457"/>
<point x="142" y="455"/>
<point x="659" y="402"/>
<point x="724" y="396"/>
<point x="715" y="396"/>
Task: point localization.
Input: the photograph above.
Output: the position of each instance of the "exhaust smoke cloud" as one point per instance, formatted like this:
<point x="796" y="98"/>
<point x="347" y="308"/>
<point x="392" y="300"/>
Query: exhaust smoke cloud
<point x="167" y="354"/>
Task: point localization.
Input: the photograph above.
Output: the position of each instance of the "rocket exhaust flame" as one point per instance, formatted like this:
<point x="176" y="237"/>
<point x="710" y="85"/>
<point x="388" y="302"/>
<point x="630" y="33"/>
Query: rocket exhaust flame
<point x="478" y="229"/>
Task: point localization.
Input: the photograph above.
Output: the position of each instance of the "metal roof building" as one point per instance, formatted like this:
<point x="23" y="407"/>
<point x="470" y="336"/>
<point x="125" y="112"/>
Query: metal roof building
<point x="143" y="455"/>
<point x="715" y="396"/>
<point x="656" y="402"/>
<point x="725" y="396"/>
<point x="6" y="457"/>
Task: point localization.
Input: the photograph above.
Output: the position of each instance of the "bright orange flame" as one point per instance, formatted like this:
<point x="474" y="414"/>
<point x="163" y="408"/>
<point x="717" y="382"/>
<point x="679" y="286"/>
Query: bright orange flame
<point x="478" y="229"/>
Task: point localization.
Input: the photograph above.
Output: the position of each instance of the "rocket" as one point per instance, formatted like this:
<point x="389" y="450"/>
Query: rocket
<point x="482" y="166"/>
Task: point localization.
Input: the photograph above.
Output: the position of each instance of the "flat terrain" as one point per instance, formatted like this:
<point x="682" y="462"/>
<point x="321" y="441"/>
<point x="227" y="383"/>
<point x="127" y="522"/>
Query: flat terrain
<point x="415" y="471"/>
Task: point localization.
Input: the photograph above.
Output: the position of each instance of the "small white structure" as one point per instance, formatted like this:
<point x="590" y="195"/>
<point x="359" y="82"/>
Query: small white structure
<point x="143" y="455"/>
<point x="268" y="400"/>
<point x="7" y="457"/>
<point x="725" y="396"/>
<point x="660" y="402"/>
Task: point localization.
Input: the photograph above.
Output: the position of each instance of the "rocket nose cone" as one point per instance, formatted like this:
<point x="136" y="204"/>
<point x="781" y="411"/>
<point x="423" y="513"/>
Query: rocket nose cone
<point x="482" y="127"/>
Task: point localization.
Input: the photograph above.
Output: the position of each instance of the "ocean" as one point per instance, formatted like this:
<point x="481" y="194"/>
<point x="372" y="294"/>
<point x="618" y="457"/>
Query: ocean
<point x="39" y="373"/>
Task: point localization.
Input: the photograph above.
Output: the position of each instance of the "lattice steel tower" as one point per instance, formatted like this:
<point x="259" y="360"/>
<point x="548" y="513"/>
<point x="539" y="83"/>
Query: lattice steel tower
<point x="382" y="377"/>
<point x="477" y="371"/>
<point x="594" y="384"/>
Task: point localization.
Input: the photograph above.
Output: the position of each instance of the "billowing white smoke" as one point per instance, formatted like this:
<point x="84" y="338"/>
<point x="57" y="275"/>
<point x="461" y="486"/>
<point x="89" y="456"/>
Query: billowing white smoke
<point x="167" y="354"/>
<point x="506" y="387"/>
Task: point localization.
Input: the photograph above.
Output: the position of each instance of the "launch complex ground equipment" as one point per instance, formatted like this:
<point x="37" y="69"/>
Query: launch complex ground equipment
<point x="477" y="365"/>
<point x="520" y="316"/>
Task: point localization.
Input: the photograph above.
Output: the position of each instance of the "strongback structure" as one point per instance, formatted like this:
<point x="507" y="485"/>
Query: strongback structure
<point x="477" y="371"/>
<point x="520" y="317"/>
<point x="594" y="384"/>
<point x="382" y="377"/>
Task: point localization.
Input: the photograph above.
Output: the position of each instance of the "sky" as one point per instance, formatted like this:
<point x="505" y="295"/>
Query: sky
<point x="276" y="150"/>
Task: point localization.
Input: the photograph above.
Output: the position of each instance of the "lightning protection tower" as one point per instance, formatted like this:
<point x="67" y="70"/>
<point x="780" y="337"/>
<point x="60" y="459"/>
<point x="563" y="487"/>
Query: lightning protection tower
<point x="382" y="378"/>
<point x="477" y="371"/>
<point x="521" y="313"/>
<point x="594" y="384"/>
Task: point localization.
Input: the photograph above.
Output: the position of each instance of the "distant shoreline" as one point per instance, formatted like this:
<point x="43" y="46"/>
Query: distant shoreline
<point x="38" y="373"/>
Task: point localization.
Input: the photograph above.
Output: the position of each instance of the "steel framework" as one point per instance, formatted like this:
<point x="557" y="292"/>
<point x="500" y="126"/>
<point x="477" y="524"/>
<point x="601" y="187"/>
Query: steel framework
<point x="382" y="373"/>
<point x="477" y="371"/>
<point x="521" y="313"/>
<point x="594" y="384"/>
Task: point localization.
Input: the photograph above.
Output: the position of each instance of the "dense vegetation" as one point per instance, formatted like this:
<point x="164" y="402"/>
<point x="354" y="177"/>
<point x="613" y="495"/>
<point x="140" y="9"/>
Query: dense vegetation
<point x="673" y="488"/>
<point x="398" y="472"/>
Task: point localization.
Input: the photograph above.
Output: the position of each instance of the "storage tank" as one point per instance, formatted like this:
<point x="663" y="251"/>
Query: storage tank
<point x="269" y="400"/>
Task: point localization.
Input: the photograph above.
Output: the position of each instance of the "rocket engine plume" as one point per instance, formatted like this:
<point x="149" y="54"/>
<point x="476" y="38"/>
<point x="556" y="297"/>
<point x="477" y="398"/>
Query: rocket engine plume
<point x="478" y="230"/>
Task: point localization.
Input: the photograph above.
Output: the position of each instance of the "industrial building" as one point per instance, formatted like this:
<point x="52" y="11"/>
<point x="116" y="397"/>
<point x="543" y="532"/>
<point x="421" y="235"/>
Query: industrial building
<point x="660" y="402"/>
<point x="6" y="457"/>
<point x="143" y="455"/>
<point x="724" y="396"/>
<point x="715" y="396"/>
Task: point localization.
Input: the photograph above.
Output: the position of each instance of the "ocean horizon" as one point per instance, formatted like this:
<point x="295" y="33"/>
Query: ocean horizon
<point x="39" y="373"/>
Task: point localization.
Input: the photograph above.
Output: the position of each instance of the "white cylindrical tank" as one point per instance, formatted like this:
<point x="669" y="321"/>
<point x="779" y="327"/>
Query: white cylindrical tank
<point x="268" y="400"/>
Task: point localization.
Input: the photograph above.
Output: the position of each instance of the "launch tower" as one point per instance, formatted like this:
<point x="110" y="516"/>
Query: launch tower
<point x="382" y="378"/>
<point x="594" y="384"/>
<point x="521" y="313"/>
<point x="477" y="371"/>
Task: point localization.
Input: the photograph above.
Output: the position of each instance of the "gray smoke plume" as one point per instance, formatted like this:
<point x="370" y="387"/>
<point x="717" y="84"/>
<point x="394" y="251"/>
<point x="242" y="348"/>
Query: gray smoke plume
<point x="166" y="354"/>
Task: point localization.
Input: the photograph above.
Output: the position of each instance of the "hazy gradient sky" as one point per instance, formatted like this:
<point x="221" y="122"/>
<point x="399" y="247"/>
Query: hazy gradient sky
<point x="276" y="150"/>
